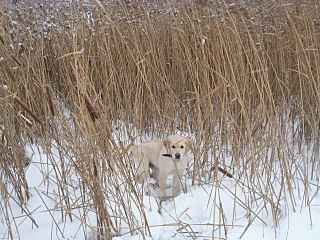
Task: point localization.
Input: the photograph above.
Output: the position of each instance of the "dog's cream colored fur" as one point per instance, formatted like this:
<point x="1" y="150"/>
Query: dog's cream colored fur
<point x="164" y="157"/>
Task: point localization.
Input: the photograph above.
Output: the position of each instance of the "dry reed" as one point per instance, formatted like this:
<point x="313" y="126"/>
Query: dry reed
<point x="242" y="81"/>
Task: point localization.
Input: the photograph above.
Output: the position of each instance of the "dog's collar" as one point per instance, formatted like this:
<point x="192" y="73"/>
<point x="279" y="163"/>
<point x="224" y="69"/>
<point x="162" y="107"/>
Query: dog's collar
<point x="167" y="155"/>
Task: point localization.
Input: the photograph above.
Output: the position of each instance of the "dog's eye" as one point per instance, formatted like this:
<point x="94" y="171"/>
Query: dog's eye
<point x="173" y="146"/>
<point x="182" y="147"/>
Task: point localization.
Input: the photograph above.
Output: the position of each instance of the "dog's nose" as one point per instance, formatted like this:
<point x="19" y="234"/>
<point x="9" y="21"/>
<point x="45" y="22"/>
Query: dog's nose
<point x="177" y="155"/>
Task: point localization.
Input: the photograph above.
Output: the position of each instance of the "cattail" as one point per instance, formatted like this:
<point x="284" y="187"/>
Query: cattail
<point x="27" y="109"/>
<point x="223" y="171"/>
<point x="94" y="114"/>
<point x="16" y="60"/>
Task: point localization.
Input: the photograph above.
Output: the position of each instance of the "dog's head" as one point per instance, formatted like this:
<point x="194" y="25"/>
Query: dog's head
<point x="177" y="146"/>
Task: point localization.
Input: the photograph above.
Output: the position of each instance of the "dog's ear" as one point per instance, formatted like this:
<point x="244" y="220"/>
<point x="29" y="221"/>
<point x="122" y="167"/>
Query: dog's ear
<point x="189" y="143"/>
<point x="166" y="143"/>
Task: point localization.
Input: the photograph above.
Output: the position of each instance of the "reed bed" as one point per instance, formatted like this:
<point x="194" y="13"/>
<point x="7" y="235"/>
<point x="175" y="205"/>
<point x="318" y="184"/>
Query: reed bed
<point x="84" y="82"/>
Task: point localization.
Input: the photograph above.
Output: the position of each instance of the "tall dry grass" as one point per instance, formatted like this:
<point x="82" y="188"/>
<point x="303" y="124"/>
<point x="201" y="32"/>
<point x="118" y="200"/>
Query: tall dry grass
<point x="242" y="81"/>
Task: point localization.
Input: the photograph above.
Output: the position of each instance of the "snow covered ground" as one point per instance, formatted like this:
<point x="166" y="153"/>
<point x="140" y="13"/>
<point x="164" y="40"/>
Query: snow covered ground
<point x="215" y="210"/>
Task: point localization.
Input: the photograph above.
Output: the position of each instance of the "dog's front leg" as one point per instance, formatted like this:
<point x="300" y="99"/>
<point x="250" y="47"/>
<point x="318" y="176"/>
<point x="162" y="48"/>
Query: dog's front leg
<point x="177" y="179"/>
<point x="177" y="184"/>
<point x="162" y="184"/>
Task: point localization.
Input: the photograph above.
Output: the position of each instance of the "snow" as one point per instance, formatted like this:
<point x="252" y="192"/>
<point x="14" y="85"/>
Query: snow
<point x="192" y="212"/>
<point x="206" y="210"/>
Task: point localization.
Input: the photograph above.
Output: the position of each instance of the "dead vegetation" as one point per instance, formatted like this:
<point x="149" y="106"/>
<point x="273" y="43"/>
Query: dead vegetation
<point x="242" y="81"/>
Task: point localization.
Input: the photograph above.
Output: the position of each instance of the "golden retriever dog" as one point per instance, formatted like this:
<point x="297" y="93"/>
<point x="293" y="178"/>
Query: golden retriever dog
<point x="164" y="157"/>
